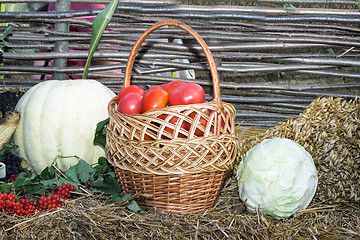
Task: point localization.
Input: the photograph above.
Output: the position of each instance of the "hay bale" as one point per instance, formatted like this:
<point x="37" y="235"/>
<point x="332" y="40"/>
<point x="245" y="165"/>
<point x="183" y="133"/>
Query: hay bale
<point x="329" y="130"/>
<point x="97" y="217"/>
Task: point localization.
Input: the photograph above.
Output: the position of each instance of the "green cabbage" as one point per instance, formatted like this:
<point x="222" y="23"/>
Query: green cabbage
<point x="277" y="177"/>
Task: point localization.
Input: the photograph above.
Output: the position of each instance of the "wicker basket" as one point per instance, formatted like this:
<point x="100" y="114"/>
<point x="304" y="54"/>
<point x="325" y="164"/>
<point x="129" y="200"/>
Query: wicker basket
<point x="172" y="168"/>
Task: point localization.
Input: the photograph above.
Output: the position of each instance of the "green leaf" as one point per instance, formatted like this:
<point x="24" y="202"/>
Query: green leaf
<point x="30" y="184"/>
<point x="133" y="206"/>
<point x="102" y="125"/>
<point x="102" y="165"/>
<point x="84" y="171"/>
<point x="49" y="184"/>
<point x="111" y="174"/>
<point x="120" y="197"/>
<point x="100" y="133"/>
<point x="102" y="161"/>
<point x="50" y="171"/>
<point x="288" y="5"/>
<point x="39" y="187"/>
<point x="100" y="23"/>
<point x="47" y="174"/>
<point x="5" y="188"/>
<point x="331" y="51"/>
<point x="72" y="174"/>
<point x="7" y="31"/>
<point x="108" y="185"/>
<point x="63" y="181"/>
<point x="9" y="147"/>
<point x="5" y="43"/>
<point x="21" y="181"/>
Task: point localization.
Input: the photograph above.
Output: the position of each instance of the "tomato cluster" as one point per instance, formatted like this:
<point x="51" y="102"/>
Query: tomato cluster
<point x="135" y="100"/>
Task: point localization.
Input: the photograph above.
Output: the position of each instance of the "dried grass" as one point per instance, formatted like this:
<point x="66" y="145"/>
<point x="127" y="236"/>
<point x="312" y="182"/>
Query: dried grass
<point x="97" y="217"/>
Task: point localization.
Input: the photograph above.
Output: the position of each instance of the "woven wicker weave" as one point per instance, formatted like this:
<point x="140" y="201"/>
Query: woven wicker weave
<point x="173" y="169"/>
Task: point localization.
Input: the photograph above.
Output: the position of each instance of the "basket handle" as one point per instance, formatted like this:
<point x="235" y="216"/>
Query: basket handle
<point x="209" y="57"/>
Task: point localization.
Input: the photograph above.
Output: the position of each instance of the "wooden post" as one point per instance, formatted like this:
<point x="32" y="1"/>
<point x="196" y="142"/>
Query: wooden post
<point x="61" y="46"/>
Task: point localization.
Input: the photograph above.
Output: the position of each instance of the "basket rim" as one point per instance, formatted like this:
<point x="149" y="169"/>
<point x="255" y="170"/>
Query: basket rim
<point x="175" y="108"/>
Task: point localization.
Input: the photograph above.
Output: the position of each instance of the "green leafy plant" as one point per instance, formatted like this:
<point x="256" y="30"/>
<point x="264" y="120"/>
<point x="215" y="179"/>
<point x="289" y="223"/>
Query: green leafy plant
<point x="92" y="179"/>
<point x="5" y="34"/>
<point x="98" y="178"/>
<point x="100" y="133"/>
<point x="4" y="43"/>
<point x="9" y="147"/>
<point x="99" y="25"/>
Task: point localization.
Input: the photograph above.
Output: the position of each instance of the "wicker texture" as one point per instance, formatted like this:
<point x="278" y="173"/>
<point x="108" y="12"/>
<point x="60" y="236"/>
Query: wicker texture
<point x="273" y="60"/>
<point x="173" y="168"/>
<point x="177" y="193"/>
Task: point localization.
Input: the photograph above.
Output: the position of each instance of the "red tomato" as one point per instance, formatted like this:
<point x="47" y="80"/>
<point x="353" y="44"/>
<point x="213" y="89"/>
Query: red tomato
<point x="130" y="89"/>
<point x="155" y="87"/>
<point x="169" y="87"/>
<point x="222" y="120"/>
<point x="202" y="121"/>
<point x="146" y="136"/>
<point x="174" y="120"/>
<point x="187" y="93"/>
<point x="130" y="103"/>
<point x="154" y="99"/>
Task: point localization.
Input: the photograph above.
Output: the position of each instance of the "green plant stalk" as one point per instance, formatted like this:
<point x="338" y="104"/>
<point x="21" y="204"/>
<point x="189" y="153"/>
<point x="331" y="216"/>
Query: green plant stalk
<point x="1" y="64"/>
<point x="2" y="9"/>
<point x="99" y="25"/>
<point x="4" y="43"/>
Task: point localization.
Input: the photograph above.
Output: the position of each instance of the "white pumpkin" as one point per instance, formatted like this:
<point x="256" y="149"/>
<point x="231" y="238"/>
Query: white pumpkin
<point x="60" y="118"/>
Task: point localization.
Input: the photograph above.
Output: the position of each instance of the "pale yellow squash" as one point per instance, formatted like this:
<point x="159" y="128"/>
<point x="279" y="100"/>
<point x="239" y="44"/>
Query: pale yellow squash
<point x="59" y="118"/>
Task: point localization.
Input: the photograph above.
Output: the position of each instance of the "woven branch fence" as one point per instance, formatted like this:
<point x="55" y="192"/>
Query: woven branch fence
<point x="273" y="57"/>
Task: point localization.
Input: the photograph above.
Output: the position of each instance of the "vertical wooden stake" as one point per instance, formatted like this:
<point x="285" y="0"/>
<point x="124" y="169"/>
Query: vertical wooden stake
<point x="61" y="46"/>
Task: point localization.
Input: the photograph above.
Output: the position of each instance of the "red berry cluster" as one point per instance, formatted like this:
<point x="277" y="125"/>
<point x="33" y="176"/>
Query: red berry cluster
<point x="23" y="205"/>
<point x="49" y="202"/>
<point x="9" y="204"/>
<point x="64" y="190"/>
<point x="11" y="178"/>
